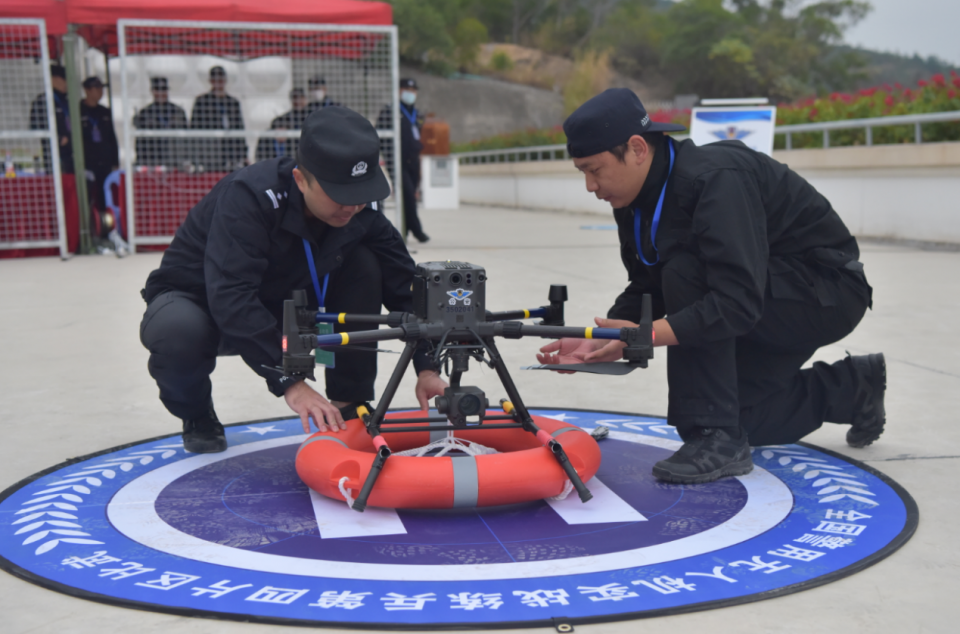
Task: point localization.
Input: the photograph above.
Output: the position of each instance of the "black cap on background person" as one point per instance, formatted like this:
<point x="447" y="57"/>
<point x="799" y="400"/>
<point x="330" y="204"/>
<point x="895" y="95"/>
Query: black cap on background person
<point x="158" y="84"/>
<point x="93" y="82"/>
<point x="341" y="150"/>
<point x="408" y="82"/>
<point x="218" y="71"/>
<point x="609" y="120"/>
<point x="316" y="81"/>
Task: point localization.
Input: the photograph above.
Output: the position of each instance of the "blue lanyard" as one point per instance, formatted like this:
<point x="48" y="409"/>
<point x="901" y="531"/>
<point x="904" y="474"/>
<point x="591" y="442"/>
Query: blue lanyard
<point x="656" y="216"/>
<point x="321" y="295"/>
<point x="411" y="117"/>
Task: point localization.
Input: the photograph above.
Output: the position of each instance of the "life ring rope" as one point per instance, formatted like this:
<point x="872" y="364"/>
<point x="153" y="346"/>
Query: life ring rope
<point x="447" y="444"/>
<point x="347" y="493"/>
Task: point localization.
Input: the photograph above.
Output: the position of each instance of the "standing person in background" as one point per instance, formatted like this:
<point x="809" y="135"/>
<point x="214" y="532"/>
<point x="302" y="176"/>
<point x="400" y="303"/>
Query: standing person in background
<point x="216" y="110"/>
<point x="274" y="147"/>
<point x="101" y="154"/>
<point x="318" y="92"/>
<point x="38" y="120"/>
<point x="410" y="147"/>
<point x="160" y="115"/>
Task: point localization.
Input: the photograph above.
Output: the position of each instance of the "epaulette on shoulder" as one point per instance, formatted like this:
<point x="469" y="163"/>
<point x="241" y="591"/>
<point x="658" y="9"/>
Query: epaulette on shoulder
<point x="272" y="197"/>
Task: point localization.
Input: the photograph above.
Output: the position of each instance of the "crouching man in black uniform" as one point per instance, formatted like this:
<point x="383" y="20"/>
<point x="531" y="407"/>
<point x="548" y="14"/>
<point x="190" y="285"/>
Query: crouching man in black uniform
<point x="754" y="271"/>
<point x="261" y="233"/>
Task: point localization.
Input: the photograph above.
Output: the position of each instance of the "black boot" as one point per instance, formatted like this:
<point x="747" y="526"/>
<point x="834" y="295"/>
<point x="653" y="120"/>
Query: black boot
<point x="708" y="454"/>
<point x="204" y="434"/>
<point x="869" y="417"/>
<point x="421" y="237"/>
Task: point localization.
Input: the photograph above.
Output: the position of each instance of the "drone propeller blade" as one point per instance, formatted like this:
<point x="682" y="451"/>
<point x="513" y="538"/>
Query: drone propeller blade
<point x="612" y="368"/>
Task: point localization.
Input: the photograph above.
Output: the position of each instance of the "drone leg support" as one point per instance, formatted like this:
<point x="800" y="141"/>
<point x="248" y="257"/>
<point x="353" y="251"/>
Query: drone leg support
<point x="373" y="421"/>
<point x="523" y="416"/>
<point x="383" y="452"/>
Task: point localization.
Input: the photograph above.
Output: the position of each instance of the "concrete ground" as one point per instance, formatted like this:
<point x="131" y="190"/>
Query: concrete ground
<point x="73" y="381"/>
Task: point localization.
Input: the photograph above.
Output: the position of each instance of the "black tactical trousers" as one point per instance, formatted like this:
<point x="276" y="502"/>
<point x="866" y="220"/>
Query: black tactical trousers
<point x="184" y="341"/>
<point x="755" y="381"/>
<point x="410" y="216"/>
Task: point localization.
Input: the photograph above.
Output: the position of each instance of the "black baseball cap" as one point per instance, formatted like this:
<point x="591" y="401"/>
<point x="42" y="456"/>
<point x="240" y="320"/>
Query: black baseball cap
<point x="93" y="82"/>
<point x="341" y="149"/>
<point x="408" y="82"/>
<point x="608" y="120"/>
<point x="158" y="83"/>
<point x="56" y="70"/>
<point x="316" y="80"/>
<point x="217" y="71"/>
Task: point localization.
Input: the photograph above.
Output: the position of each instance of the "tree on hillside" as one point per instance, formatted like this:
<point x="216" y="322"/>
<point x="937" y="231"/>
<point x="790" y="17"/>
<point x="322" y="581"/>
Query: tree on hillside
<point x="764" y="49"/>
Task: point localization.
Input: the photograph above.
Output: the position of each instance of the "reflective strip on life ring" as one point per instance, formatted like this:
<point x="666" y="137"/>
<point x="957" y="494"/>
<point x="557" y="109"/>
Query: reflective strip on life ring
<point x="524" y="470"/>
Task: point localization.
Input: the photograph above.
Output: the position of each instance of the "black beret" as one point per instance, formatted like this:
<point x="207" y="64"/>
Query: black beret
<point x="608" y="120"/>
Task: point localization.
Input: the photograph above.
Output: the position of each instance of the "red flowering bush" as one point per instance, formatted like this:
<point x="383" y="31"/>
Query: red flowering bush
<point x="937" y="94"/>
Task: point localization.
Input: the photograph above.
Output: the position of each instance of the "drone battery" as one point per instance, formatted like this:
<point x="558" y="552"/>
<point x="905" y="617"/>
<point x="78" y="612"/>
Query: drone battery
<point x="450" y="293"/>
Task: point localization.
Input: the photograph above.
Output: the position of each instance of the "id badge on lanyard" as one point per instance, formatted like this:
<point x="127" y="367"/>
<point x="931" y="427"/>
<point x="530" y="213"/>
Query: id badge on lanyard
<point x="325" y="358"/>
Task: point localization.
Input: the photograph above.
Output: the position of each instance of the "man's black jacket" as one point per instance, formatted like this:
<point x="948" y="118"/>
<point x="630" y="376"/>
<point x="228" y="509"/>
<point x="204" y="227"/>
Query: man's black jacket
<point x="100" y="149"/>
<point x="241" y="251"/>
<point x="161" y="116"/>
<point x="38" y="121"/>
<point x="754" y="224"/>
<point x="212" y="112"/>
<point x="410" y="146"/>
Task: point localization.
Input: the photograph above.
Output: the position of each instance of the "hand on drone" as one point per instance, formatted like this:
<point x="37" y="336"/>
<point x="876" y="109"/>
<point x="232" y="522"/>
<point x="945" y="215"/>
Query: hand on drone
<point x="429" y="384"/>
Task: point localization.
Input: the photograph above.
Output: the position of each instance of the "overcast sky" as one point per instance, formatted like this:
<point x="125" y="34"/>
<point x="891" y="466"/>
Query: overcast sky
<point x="927" y="27"/>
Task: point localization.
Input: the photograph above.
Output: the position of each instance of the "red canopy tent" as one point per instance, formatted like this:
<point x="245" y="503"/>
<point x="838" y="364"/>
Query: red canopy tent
<point x="99" y="17"/>
<point x="52" y="11"/>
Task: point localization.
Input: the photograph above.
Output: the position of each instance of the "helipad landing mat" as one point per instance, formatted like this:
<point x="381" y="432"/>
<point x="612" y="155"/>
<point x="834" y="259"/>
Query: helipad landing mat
<point x="238" y="536"/>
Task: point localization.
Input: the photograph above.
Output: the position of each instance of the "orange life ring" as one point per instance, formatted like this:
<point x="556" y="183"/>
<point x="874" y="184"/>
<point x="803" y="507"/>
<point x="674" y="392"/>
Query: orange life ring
<point x="526" y="470"/>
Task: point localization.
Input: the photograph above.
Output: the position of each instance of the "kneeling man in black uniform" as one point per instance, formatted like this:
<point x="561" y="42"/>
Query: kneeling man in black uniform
<point x="751" y="271"/>
<point x="262" y="232"/>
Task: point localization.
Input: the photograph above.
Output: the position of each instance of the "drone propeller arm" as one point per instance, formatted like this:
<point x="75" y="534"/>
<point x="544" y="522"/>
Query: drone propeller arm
<point x="362" y="336"/>
<point x="393" y="319"/>
<point x="560" y="332"/>
<point x="523" y="313"/>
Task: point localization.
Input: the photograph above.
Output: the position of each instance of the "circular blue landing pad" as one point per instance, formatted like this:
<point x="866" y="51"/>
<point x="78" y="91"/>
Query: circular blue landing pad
<point x="238" y="536"/>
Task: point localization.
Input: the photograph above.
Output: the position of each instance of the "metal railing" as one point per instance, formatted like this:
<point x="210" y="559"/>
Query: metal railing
<point x="559" y="152"/>
<point x="916" y="120"/>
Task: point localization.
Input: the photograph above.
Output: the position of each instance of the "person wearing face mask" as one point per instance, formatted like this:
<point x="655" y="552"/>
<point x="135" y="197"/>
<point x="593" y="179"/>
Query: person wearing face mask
<point x="272" y="147"/>
<point x="317" y="86"/>
<point x="162" y="114"/>
<point x="751" y="270"/>
<point x="262" y="232"/>
<point x="216" y="110"/>
<point x="410" y="148"/>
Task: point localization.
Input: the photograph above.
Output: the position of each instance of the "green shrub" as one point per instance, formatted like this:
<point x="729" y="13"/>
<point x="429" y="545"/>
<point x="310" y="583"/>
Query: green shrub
<point x="500" y="61"/>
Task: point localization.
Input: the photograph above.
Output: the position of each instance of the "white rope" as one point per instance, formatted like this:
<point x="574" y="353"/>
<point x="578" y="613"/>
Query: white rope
<point x="567" y="488"/>
<point x="346" y="492"/>
<point x="446" y="445"/>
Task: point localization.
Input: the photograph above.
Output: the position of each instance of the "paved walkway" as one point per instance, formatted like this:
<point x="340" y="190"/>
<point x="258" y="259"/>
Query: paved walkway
<point x="73" y="381"/>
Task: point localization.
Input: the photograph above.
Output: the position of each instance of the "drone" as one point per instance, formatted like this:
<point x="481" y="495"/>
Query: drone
<point x="450" y="318"/>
